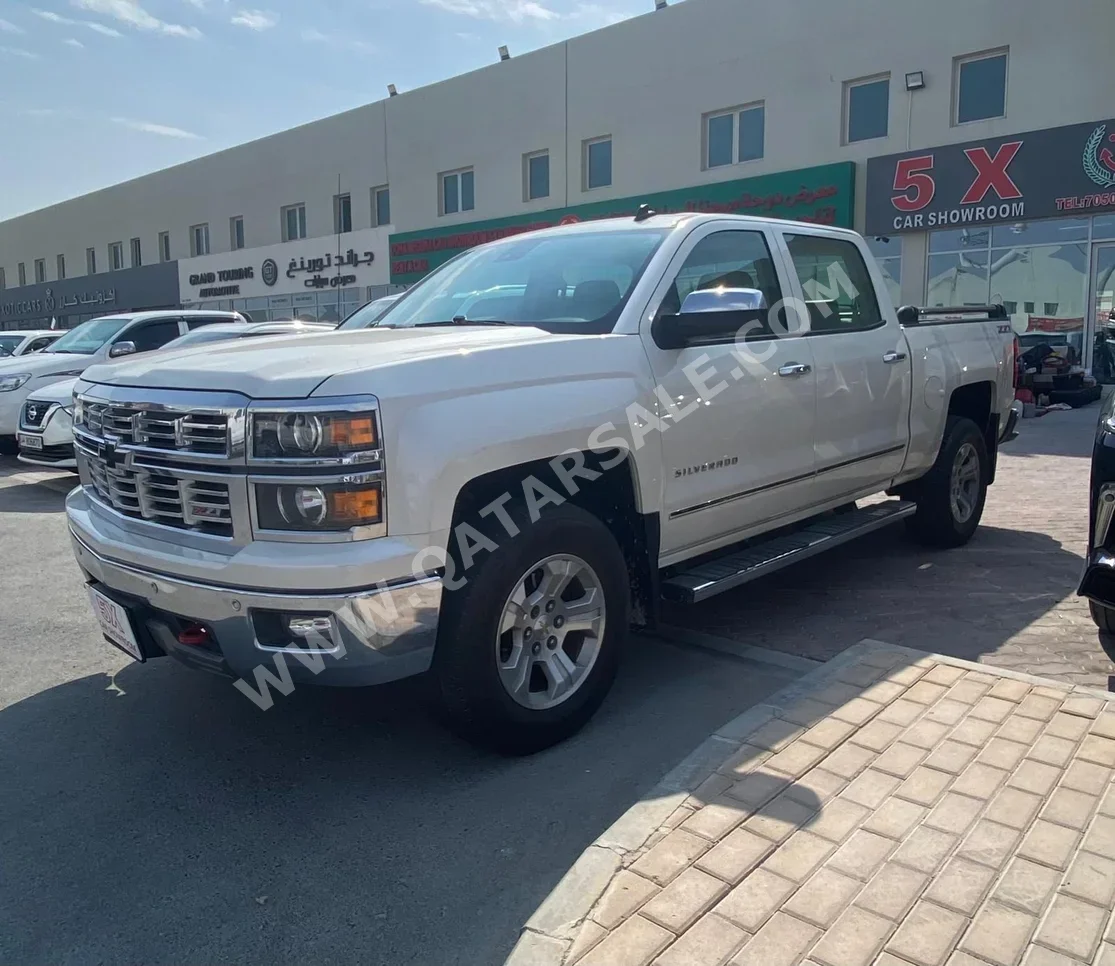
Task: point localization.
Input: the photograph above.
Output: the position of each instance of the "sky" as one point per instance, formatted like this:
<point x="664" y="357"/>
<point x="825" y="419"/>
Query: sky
<point x="93" y="92"/>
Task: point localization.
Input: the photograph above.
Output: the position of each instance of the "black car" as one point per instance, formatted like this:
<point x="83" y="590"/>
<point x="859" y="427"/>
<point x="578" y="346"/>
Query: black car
<point x="1098" y="582"/>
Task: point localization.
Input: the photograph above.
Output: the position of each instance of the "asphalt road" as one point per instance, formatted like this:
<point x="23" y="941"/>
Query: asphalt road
<point x="150" y="814"/>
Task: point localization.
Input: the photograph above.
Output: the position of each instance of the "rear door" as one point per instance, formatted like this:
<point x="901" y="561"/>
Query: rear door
<point x="737" y="453"/>
<point x="861" y="361"/>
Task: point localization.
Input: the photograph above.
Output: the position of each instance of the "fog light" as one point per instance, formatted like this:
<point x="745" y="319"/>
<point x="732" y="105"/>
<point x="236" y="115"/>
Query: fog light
<point x="312" y="629"/>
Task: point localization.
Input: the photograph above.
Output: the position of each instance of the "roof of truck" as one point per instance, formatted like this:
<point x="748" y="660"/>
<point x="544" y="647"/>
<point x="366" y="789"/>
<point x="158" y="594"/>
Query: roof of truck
<point x="674" y="220"/>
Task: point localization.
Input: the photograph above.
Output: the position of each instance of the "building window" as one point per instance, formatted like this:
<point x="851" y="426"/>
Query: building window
<point x="90" y="261"/>
<point x="164" y="246"/>
<point x="137" y="253"/>
<point x="199" y="240"/>
<point x="236" y="232"/>
<point x="723" y="147"/>
<point x="22" y="270"/>
<point x="3" y="280"/>
<point x="457" y="191"/>
<point x="536" y="175"/>
<point x="381" y="206"/>
<point x="980" y="86"/>
<point x="598" y="163"/>
<point x="342" y="214"/>
<point x="294" y="222"/>
<point x="61" y="266"/>
<point x="115" y="256"/>
<point x="40" y="270"/>
<point x="866" y="109"/>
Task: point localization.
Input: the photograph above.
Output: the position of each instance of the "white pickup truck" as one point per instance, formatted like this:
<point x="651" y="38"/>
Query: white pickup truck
<point x="536" y="444"/>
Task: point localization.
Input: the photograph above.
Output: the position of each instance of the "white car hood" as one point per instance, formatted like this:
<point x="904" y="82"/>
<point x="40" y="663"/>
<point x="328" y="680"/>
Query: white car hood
<point x="292" y="367"/>
<point x="61" y="392"/>
<point x="45" y="364"/>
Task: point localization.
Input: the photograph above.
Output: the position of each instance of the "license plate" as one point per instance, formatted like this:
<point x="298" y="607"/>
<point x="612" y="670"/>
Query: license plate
<point x="30" y="442"/>
<point x="115" y="623"/>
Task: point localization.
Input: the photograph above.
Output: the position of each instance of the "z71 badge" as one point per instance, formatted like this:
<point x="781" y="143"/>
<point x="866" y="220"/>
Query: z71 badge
<point x="706" y="467"/>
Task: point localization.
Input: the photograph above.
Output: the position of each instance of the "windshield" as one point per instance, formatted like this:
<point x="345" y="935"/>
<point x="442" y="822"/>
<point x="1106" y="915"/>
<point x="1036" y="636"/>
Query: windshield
<point x="88" y="337"/>
<point x="203" y="335"/>
<point x="575" y="282"/>
<point x="9" y="343"/>
<point x="369" y="314"/>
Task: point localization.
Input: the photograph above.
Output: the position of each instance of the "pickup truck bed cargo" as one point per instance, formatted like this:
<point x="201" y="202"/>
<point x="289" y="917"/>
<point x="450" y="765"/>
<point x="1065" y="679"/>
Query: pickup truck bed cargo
<point x="535" y="445"/>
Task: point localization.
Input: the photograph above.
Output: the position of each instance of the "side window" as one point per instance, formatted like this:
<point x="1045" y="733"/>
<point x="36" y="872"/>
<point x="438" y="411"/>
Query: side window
<point x="838" y="289"/>
<point x="38" y="345"/>
<point x="151" y="335"/>
<point x="192" y="324"/>
<point x="726" y="259"/>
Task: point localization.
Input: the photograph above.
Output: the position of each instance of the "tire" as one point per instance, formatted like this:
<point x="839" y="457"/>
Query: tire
<point x="473" y="696"/>
<point x="941" y="521"/>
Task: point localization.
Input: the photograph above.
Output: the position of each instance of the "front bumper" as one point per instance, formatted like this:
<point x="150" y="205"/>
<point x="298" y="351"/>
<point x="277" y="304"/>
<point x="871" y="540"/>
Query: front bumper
<point x="378" y="634"/>
<point x="57" y="436"/>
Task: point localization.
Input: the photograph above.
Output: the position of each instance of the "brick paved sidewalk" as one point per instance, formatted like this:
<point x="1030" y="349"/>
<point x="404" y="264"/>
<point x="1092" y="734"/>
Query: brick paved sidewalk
<point x="893" y="807"/>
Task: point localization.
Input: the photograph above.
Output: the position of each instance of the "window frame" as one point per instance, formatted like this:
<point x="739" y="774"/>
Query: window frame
<point x="799" y="286"/>
<point x="735" y="113"/>
<point x="236" y="237"/>
<point x="377" y="221"/>
<point x="340" y="202"/>
<point x="164" y="247"/>
<point x="21" y="273"/>
<point x="586" y="153"/>
<point x="135" y="251"/>
<point x="846" y="113"/>
<point x="298" y="209"/>
<point x="458" y="174"/>
<point x="957" y="66"/>
<point x="60" y="266"/>
<point x="40" y="271"/>
<point x="90" y="261"/>
<point x="195" y="247"/>
<point x="3" y="280"/>
<point x="129" y="333"/>
<point x="528" y="158"/>
<point x="115" y="256"/>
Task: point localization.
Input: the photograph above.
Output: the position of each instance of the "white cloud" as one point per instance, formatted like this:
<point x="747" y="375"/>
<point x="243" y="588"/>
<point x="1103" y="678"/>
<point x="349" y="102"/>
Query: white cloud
<point x="7" y="27"/>
<point x="129" y="12"/>
<point x="19" y="52"/>
<point x="73" y="42"/>
<point x="515" y="11"/>
<point x="57" y="18"/>
<point x="599" y="14"/>
<point x="40" y="112"/>
<point x="102" y="29"/>
<point x="314" y="36"/>
<point x="163" y="130"/>
<point x="52" y="16"/>
<point x="257" y="20"/>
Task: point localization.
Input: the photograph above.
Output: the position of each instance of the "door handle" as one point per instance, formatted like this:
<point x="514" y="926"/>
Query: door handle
<point x="795" y="369"/>
<point x="890" y="358"/>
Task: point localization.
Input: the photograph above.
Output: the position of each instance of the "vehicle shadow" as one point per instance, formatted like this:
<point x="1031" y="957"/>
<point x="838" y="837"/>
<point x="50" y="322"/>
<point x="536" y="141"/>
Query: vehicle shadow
<point x="175" y="822"/>
<point x="45" y="497"/>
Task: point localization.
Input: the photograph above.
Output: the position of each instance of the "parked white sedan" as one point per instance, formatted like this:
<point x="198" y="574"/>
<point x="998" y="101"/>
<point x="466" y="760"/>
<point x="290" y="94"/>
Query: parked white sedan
<point x="26" y="341"/>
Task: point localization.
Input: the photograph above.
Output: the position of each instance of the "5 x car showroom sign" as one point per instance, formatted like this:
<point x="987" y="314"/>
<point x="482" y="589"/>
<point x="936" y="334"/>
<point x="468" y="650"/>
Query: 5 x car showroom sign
<point x="1040" y="174"/>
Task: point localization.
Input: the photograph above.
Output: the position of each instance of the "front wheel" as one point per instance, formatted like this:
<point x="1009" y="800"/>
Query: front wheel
<point x="951" y="496"/>
<point x="528" y="647"/>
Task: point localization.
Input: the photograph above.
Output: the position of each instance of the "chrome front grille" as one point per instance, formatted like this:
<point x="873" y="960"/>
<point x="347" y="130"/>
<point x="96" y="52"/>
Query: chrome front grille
<point x="169" y="497"/>
<point x="196" y="431"/>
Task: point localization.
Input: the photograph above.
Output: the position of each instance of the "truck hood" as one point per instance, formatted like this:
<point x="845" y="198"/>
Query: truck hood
<point x="292" y="367"/>
<point x="61" y="392"/>
<point x="45" y="364"/>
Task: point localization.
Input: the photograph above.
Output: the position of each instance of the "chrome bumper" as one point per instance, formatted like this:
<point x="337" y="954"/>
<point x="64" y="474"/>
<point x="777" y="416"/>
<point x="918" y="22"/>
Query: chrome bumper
<point x="370" y="636"/>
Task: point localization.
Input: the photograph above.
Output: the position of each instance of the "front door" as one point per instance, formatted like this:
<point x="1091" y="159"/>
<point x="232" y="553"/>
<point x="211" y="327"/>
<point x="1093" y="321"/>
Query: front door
<point x="737" y="453"/>
<point x="1103" y="312"/>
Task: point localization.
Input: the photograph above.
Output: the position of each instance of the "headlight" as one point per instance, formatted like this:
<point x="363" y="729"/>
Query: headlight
<point x="77" y="410"/>
<point x="319" y="507"/>
<point x="14" y="381"/>
<point x="342" y="437"/>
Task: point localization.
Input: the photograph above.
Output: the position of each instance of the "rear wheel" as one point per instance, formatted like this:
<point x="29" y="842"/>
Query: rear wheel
<point x="951" y="496"/>
<point x="528" y="647"/>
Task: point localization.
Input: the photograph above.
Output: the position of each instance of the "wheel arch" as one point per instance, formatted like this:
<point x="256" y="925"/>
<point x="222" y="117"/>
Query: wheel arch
<point x="976" y="401"/>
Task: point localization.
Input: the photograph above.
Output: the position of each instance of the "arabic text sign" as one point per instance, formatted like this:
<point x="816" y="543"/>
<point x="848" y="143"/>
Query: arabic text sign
<point x="1056" y="172"/>
<point x="823" y="195"/>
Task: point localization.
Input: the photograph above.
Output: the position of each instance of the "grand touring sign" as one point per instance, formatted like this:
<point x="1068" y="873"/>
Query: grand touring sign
<point x="823" y="195"/>
<point x="1040" y="174"/>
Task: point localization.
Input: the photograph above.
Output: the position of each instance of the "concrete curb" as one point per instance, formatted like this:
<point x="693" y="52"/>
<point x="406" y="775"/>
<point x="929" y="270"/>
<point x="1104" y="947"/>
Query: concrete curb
<point x="560" y="926"/>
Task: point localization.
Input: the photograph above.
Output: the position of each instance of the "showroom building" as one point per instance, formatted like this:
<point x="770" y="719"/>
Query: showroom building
<point x="807" y="109"/>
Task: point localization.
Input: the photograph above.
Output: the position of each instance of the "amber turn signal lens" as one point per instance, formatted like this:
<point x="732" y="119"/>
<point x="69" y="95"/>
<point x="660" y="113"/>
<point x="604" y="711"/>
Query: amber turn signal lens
<point x="352" y="433"/>
<point x="354" y="507"/>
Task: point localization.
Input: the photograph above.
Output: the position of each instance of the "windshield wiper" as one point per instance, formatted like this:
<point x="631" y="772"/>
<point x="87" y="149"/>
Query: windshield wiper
<point x="462" y="320"/>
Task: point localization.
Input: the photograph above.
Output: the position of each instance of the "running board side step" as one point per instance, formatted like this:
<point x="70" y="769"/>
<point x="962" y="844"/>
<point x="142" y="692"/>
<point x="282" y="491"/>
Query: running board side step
<point x="715" y="576"/>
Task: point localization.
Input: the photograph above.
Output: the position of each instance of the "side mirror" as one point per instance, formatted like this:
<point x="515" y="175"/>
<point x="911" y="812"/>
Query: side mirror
<point x="710" y="314"/>
<point x="122" y="349"/>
